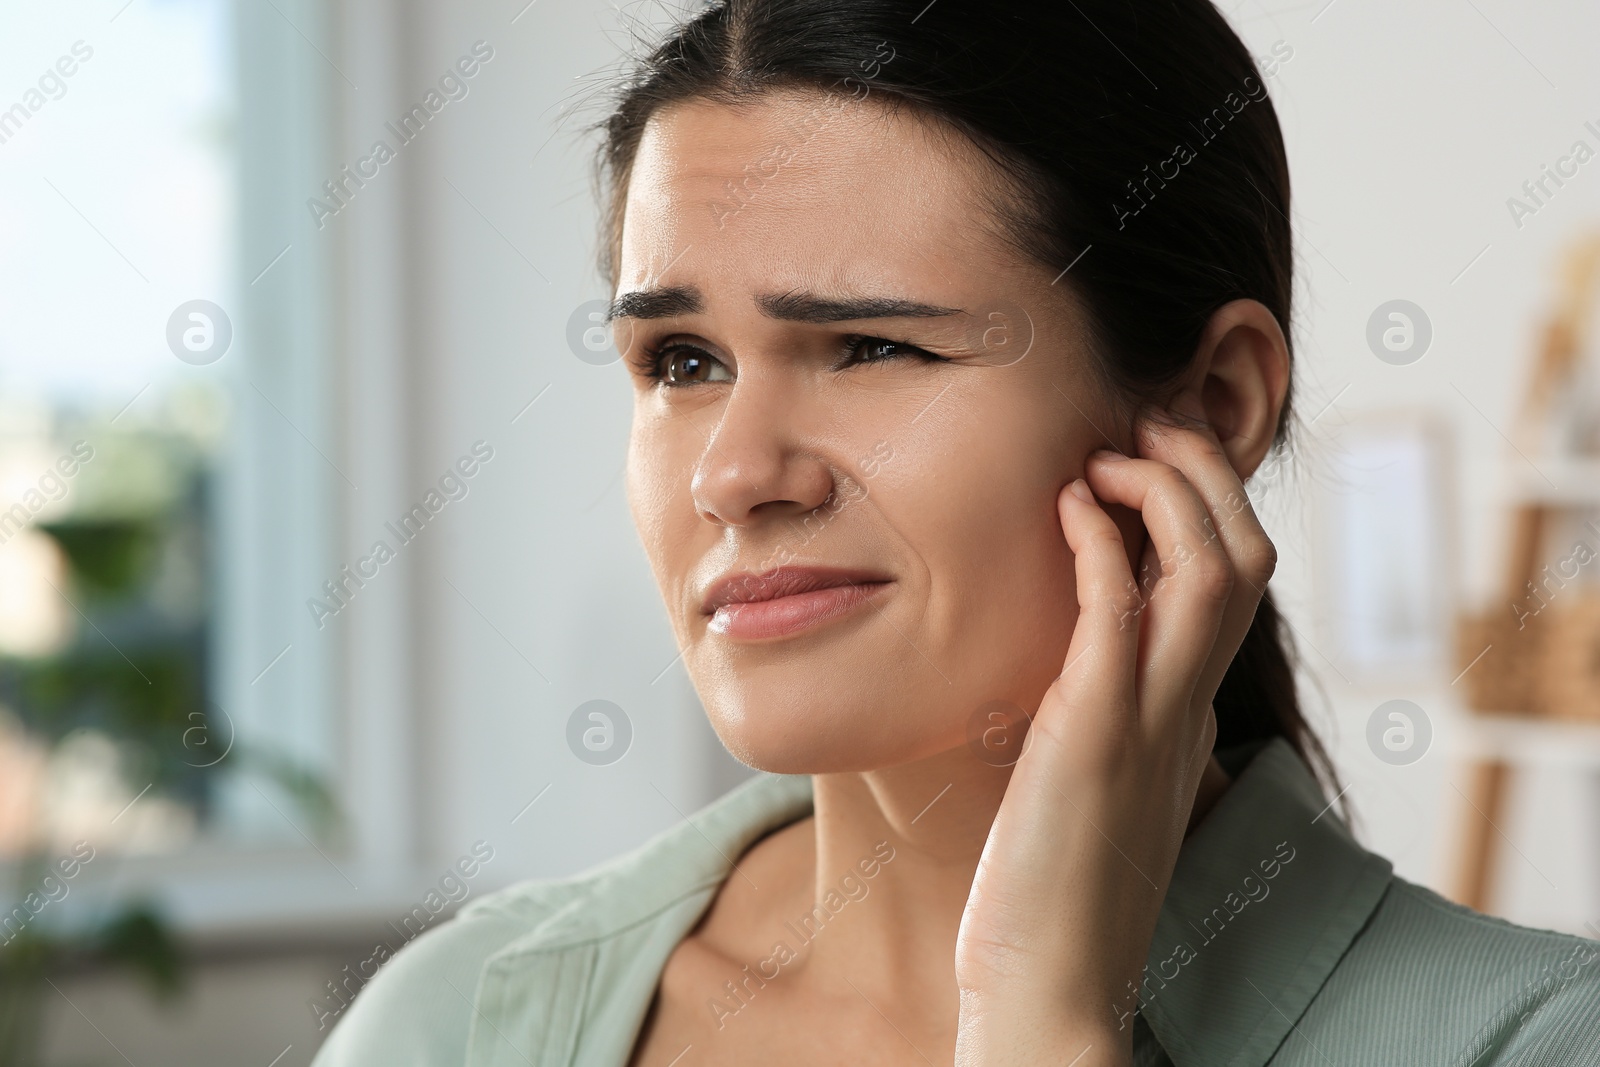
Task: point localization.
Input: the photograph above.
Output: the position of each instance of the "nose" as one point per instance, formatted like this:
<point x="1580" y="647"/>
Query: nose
<point x="757" y="464"/>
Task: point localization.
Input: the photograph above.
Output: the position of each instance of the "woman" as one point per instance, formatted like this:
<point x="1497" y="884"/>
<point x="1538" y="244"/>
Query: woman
<point x="954" y="332"/>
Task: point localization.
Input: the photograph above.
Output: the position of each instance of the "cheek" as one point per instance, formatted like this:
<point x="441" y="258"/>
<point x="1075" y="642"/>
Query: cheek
<point x="995" y="589"/>
<point x="1004" y="582"/>
<point x="657" y="484"/>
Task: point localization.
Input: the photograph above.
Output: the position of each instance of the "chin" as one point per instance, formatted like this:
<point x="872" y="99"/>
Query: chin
<point x="806" y="729"/>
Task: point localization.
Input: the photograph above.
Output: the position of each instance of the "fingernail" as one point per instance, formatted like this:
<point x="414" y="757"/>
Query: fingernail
<point x="1107" y="454"/>
<point x="1080" y="489"/>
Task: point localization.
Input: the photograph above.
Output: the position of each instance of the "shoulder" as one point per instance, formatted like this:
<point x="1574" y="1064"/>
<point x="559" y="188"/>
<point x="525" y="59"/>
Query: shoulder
<point x="417" y="1008"/>
<point x="1435" y="975"/>
<point x="421" y="1005"/>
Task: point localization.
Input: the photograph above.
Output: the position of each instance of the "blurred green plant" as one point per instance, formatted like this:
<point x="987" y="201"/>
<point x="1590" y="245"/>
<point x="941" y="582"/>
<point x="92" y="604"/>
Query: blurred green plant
<point x="108" y="559"/>
<point x="136" y="674"/>
<point x="135" y="937"/>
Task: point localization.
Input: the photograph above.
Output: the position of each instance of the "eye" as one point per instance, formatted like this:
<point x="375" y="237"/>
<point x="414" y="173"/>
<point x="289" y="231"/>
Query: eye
<point x="883" y="350"/>
<point x="681" y="364"/>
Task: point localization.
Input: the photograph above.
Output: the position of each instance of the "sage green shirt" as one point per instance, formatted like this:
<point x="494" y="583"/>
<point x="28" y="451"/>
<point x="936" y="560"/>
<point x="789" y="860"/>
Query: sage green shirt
<point x="1281" y="941"/>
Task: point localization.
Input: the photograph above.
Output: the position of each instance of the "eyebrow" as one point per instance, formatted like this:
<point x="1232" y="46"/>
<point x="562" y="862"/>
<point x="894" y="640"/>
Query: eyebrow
<point x="793" y="306"/>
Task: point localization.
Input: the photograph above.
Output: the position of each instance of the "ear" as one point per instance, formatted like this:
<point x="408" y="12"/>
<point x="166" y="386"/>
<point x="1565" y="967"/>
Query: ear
<point x="1239" y="381"/>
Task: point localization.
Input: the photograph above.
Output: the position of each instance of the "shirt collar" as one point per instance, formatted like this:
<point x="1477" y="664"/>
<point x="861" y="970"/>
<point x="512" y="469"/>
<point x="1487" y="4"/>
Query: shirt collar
<point x="576" y="987"/>
<point x="1268" y="892"/>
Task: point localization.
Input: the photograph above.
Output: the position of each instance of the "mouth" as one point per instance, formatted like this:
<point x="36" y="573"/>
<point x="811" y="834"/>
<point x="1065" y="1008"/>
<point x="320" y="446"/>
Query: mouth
<point x="786" y="601"/>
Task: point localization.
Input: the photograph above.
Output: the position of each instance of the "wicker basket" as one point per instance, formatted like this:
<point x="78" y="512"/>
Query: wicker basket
<point x="1502" y="680"/>
<point x="1548" y="665"/>
<point x="1569" y="675"/>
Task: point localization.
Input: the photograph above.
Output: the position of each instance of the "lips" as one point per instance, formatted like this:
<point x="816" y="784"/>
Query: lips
<point x="787" y="600"/>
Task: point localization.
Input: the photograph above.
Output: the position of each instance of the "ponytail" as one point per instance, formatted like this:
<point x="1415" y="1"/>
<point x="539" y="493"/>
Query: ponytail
<point x="1257" y="699"/>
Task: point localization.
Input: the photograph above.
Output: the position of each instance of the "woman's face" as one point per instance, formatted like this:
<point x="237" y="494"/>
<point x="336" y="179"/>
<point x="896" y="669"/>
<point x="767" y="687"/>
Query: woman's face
<point x="797" y="455"/>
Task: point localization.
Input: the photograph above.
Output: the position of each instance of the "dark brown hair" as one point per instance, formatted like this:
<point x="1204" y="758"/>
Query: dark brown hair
<point x="1139" y="148"/>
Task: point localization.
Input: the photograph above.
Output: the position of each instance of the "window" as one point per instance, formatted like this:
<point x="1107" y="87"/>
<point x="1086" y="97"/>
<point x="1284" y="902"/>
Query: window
<point x="165" y="476"/>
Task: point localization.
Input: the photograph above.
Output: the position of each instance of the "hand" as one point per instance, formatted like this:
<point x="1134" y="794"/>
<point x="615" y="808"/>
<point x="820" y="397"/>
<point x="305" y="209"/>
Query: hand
<point x="1063" y="908"/>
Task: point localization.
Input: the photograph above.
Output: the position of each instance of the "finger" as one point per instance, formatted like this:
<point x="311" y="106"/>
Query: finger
<point x="1187" y="585"/>
<point x="1196" y="452"/>
<point x="1104" y="651"/>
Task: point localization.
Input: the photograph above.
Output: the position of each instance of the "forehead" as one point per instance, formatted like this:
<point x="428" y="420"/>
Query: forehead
<point x="807" y="187"/>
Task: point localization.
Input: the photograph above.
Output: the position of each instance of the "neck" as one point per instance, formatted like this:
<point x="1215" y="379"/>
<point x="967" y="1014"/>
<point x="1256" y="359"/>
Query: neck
<point x="935" y="814"/>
